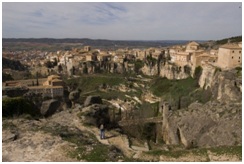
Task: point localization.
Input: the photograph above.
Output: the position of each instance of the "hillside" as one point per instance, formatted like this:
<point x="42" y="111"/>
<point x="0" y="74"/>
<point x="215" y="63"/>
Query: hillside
<point x="235" y="39"/>
<point x="51" y="44"/>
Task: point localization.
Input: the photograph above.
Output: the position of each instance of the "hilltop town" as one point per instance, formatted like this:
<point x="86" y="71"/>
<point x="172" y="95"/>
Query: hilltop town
<point x="154" y="101"/>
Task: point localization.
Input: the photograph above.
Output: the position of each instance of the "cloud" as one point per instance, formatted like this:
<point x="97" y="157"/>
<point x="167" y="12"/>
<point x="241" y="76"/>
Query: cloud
<point x="146" y="21"/>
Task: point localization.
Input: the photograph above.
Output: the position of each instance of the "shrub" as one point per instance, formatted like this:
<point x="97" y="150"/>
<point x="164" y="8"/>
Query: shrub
<point x="217" y="70"/>
<point x="17" y="106"/>
<point x="198" y="72"/>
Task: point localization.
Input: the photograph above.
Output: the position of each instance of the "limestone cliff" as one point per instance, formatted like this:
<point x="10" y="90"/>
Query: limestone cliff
<point x="209" y="125"/>
<point x="216" y="123"/>
<point x="167" y="70"/>
<point x="224" y="85"/>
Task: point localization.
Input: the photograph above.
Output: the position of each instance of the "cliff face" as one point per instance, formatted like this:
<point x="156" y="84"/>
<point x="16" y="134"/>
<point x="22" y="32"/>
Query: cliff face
<point x="224" y="85"/>
<point x="165" y="70"/>
<point x="216" y="123"/>
<point x="209" y="125"/>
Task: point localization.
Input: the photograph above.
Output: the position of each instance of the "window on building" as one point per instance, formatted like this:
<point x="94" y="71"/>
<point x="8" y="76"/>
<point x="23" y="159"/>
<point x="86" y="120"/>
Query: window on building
<point x="239" y="57"/>
<point x="233" y="51"/>
<point x="239" y="61"/>
<point x="239" y="52"/>
<point x="232" y="57"/>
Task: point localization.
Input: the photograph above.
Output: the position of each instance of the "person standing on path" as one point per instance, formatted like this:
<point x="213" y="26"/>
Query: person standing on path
<point x="102" y="132"/>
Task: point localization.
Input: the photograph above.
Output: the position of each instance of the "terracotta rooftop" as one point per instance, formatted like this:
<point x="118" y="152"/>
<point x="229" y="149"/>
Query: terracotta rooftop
<point x="230" y="46"/>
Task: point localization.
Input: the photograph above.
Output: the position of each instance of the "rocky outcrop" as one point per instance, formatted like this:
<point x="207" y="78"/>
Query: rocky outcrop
<point x="169" y="71"/>
<point x="74" y="96"/>
<point x="49" y="107"/>
<point x="96" y="114"/>
<point x="92" y="100"/>
<point x="150" y="70"/>
<point x="9" y="135"/>
<point x="173" y="72"/>
<point x="209" y="125"/>
<point x="224" y="85"/>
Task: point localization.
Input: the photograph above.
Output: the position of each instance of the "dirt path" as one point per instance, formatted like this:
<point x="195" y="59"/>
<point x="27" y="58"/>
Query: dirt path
<point x="112" y="137"/>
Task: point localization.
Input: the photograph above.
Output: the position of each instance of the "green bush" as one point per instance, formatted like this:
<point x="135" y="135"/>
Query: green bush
<point x="17" y="106"/>
<point x="149" y="131"/>
<point x="239" y="71"/>
<point x="197" y="72"/>
<point x="138" y="65"/>
<point x="92" y="82"/>
<point x="217" y="70"/>
<point x="6" y="77"/>
<point x="172" y="88"/>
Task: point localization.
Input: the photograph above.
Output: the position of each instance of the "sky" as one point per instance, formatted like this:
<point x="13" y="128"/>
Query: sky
<point x="122" y="21"/>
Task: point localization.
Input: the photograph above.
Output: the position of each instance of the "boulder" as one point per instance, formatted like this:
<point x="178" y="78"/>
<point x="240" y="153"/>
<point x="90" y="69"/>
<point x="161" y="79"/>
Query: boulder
<point x="224" y="85"/>
<point x="74" y="95"/>
<point x="9" y="135"/>
<point x="92" y="100"/>
<point x="49" y="107"/>
<point x="204" y="125"/>
<point x="96" y="114"/>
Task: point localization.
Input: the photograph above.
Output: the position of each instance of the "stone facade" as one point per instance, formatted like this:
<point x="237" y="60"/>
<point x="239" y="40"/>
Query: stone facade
<point x="192" y="47"/>
<point x="48" y="87"/>
<point x="229" y="56"/>
<point x="87" y="48"/>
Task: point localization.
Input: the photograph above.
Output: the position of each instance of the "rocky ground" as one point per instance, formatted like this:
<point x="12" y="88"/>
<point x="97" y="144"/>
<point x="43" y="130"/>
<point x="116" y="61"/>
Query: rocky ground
<point x="208" y="125"/>
<point x="63" y="137"/>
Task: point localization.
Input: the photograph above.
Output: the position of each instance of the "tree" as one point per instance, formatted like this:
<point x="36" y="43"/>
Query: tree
<point x="6" y="77"/>
<point x="60" y="68"/>
<point x="49" y="64"/>
<point x="37" y="82"/>
<point x="187" y="69"/>
<point x="138" y="65"/>
<point x="197" y="72"/>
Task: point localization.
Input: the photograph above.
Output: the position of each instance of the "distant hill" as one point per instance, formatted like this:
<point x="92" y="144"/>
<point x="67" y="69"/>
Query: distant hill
<point x="215" y="44"/>
<point x="66" y="44"/>
<point x="235" y="39"/>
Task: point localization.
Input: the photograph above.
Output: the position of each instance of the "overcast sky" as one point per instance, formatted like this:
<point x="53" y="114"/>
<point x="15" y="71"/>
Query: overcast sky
<point x="122" y="21"/>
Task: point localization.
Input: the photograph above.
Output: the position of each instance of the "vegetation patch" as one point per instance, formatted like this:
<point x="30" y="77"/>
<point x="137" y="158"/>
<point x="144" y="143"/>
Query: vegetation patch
<point x="87" y="147"/>
<point x="93" y="82"/>
<point x="17" y="106"/>
<point x="224" y="150"/>
<point x="173" y="154"/>
<point x="239" y="71"/>
<point x="231" y="40"/>
<point x="228" y="150"/>
<point x="176" y="92"/>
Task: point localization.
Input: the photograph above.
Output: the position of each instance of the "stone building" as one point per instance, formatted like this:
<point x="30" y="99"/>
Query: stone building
<point x="173" y="51"/>
<point x="198" y="58"/>
<point x="182" y="58"/>
<point x="87" y="48"/>
<point x="48" y="91"/>
<point x="53" y="80"/>
<point x="29" y="82"/>
<point x="48" y="87"/>
<point x="229" y="56"/>
<point x="192" y="47"/>
<point x="104" y="57"/>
